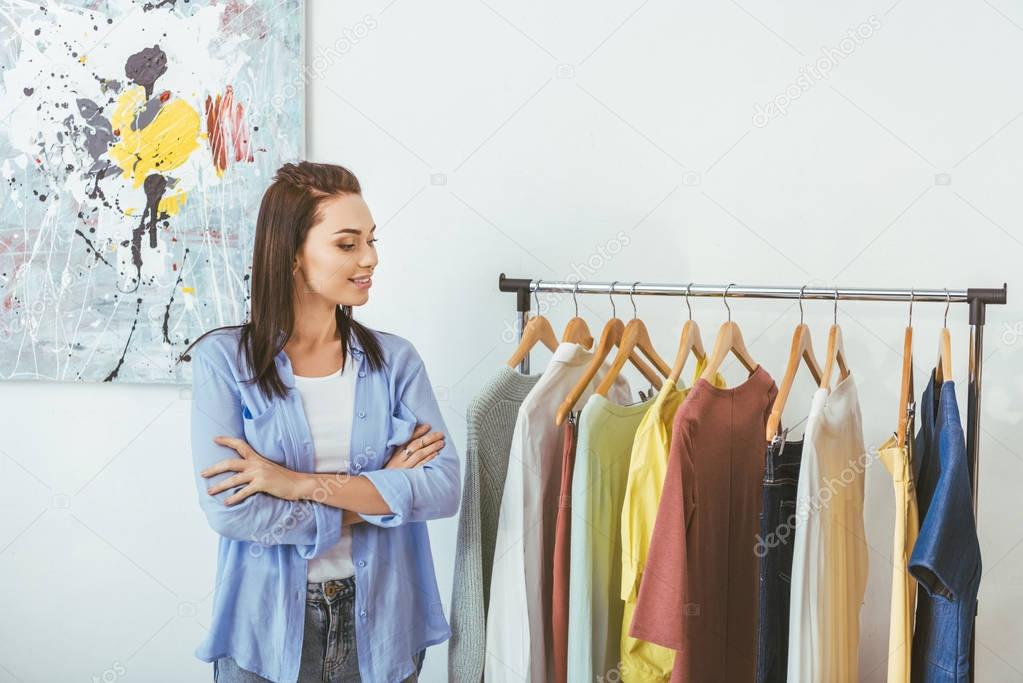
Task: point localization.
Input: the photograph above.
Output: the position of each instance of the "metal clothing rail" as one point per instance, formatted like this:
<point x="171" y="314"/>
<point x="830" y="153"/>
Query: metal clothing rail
<point x="977" y="298"/>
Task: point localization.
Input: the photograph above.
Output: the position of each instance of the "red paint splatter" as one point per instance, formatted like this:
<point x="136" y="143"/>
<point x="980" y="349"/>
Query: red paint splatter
<point x="227" y="130"/>
<point x="165" y="95"/>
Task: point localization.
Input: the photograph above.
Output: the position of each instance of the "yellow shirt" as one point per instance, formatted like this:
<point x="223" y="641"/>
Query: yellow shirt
<point x="907" y="525"/>
<point x="640" y="660"/>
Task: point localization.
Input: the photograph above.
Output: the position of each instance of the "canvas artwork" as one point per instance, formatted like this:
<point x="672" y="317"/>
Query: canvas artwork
<point x="136" y="141"/>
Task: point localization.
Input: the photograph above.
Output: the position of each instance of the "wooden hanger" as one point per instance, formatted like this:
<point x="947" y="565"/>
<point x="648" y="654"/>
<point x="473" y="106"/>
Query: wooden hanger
<point x="729" y="340"/>
<point x="538" y="329"/>
<point x="577" y="330"/>
<point x="801" y="350"/>
<point x="906" y="390"/>
<point x="944" y="363"/>
<point x="609" y="338"/>
<point x="689" y="342"/>
<point x="635" y="336"/>
<point x="835" y="352"/>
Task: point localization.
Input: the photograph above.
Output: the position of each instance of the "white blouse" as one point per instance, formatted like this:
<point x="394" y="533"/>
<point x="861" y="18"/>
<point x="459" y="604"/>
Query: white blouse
<point x="328" y="403"/>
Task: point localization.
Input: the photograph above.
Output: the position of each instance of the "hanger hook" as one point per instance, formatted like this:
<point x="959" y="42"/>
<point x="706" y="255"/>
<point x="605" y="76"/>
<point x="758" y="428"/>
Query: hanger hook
<point x="631" y="291"/>
<point x="689" y="288"/>
<point x="610" y="292"/>
<point x="836" y="305"/>
<point x="801" y="289"/>
<point x="724" y="298"/>
<point x="912" y="292"/>
<point x="574" y="299"/>
<point x="948" y="302"/>
<point x="536" y="296"/>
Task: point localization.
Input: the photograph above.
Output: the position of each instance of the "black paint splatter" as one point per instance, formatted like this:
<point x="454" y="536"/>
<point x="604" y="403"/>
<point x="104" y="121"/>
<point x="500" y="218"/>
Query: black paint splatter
<point x="166" y="313"/>
<point x="145" y="66"/>
<point x="120" y="361"/>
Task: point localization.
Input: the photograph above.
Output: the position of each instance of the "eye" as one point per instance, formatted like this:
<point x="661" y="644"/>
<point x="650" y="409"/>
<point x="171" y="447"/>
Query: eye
<point x="374" y="240"/>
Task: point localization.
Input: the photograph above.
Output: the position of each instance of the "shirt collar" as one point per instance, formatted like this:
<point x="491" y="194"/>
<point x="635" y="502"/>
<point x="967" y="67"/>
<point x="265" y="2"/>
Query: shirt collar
<point x="571" y="353"/>
<point x="283" y="363"/>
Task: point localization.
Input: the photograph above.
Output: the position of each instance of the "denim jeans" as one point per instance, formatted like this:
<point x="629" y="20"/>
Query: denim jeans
<point x="329" y="654"/>
<point x="777" y="531"/>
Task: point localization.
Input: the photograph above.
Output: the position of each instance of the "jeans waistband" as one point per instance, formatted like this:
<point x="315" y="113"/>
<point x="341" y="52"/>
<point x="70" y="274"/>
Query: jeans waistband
<point x="331" y="590"/>
<point x="783" y="460"/>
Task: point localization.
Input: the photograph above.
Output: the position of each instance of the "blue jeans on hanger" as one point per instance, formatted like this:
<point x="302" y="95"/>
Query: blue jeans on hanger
<point x="329" y="654"/>
<point x="946" y="556"/>
<point x="777" y="530"/>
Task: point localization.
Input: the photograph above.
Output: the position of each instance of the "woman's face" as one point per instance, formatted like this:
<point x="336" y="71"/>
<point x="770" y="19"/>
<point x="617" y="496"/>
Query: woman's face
<point x="338" y="256"/>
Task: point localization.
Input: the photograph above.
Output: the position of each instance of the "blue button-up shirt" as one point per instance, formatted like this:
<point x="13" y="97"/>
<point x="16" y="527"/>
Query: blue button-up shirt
<point x="266" y="542"/>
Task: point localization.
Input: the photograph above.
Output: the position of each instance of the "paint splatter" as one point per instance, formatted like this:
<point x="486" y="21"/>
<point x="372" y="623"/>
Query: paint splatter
<point x="226" y="130"/>
<point x="131" y="141"/>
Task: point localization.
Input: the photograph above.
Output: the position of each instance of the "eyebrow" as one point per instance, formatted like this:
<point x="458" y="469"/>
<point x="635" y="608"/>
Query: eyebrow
<point x="355" y="231"/>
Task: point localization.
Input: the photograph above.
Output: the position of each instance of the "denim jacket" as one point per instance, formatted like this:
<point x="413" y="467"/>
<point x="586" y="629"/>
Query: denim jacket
<point x="265" y="542"/>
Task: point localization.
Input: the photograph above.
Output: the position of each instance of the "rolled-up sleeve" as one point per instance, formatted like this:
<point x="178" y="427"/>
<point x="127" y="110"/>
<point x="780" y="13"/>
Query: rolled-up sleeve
<point x="424" y="492"/>
<point x="312" y="527"/>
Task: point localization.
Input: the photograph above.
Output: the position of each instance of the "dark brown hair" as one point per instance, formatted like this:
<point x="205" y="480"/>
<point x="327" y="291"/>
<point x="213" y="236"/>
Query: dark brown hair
<point x="287" y="212"/>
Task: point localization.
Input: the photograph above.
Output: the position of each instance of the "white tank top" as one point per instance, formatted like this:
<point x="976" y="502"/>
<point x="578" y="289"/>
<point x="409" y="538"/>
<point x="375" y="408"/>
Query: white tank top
<point x="329" y="402"/>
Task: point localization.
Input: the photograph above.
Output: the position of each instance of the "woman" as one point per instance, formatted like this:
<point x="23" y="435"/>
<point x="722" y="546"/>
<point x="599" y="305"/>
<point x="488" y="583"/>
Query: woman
<point x="314" y="458"/>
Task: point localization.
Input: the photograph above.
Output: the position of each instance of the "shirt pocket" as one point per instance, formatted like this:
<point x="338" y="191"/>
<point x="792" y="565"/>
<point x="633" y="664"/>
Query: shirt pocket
<point x="264" y="431"/>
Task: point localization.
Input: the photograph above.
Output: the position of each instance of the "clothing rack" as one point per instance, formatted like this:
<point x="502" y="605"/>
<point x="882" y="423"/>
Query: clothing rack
<point x="978" y="299"/>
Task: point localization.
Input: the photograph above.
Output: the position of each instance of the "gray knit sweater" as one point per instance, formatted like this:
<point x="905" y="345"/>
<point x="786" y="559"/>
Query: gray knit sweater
<point x="491" y="418"/>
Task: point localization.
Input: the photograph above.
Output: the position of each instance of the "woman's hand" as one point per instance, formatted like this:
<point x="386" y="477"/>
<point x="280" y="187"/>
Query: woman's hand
<point x="421" y="448"/>
<point x="259" y="473"/>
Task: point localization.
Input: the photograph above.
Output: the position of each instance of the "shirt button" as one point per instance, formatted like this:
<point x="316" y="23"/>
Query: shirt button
<point x="362" y="373"/>
<point x="362" y="414"/>
<point x="363" y="614"/>
<point x="362" y="563"/>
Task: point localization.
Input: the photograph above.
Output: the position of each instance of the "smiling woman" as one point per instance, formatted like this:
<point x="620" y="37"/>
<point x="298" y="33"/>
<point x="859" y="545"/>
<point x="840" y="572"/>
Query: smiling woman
<point x="314" y="457"/>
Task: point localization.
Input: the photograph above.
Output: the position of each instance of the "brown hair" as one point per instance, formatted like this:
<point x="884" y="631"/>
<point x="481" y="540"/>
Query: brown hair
<point x="288" y="209"/>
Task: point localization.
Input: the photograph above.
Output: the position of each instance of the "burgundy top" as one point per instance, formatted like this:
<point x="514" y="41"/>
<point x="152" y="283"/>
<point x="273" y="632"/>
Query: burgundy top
<point x="562" y="544"/>
<point x="698" y="594"/>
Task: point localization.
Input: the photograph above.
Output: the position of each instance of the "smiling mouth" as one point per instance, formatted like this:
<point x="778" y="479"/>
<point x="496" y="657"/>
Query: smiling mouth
<point x="360" y="280"/>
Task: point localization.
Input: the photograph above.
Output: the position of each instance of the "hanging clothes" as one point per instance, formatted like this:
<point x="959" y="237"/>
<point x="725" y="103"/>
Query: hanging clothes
<point x="774" y="548"/>
<point x="946" y="556"/>
<point x="829" y="558"/>
<point x="643" y="662"/>
<point x="562" y="548"/>
<point x="519" y="638"/>
<point x="897" y="460"/>
<point x="491" y="422"/>
<point x="699" y="594"/>
<point x="606" y="433"/>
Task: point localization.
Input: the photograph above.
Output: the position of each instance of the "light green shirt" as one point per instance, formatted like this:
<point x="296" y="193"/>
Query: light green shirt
<point x="601" y="470"/>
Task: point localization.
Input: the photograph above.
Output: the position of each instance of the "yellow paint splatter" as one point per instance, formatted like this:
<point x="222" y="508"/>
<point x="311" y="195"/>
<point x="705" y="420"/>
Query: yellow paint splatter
<point x="188" y="290"/>
<point x="171" y="204"/>
<point x="164" y="144"/>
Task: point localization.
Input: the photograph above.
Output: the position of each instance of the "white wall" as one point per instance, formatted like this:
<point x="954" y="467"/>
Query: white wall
<point x="537" y="138"/>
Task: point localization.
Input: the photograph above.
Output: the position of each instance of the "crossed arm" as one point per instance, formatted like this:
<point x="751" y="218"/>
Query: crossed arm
<point x="271" y="504"/>
<point x="354" y="495"/>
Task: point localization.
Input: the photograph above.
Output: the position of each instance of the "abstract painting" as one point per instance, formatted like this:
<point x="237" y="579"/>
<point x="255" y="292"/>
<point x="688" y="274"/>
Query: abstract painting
<point x="136" y="141"/>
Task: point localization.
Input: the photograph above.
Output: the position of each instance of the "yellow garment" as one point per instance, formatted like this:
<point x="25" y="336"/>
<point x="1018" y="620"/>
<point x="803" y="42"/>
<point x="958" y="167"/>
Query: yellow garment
<point x="642" y="661"/>
<point x="907" y="525"/>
